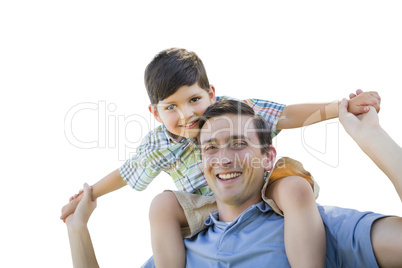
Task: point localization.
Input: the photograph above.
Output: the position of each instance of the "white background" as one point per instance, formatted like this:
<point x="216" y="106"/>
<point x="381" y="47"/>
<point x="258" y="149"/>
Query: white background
<point x="58" y="54"/>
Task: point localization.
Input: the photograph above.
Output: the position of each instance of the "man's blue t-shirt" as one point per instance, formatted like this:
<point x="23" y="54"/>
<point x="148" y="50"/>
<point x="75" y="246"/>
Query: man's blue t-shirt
<point x="256" y="239"/>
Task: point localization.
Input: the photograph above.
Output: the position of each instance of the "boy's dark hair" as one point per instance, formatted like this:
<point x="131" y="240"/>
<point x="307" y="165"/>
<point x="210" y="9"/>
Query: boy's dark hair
<point x="239" y="108"/>
<point x="172" y="68"/>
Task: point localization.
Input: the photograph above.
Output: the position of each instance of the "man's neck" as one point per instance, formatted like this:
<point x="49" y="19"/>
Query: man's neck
<point x="230" y="212"/>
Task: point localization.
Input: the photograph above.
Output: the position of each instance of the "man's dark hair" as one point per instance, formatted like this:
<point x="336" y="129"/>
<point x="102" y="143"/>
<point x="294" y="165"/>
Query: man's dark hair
<point x="239" y="108"/>
<point x="171" y="69"/>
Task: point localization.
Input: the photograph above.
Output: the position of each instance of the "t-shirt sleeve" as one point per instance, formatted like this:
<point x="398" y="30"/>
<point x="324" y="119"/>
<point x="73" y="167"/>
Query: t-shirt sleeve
<point x="270" y="110"/>
<point x="348" y="235"/>
<point x="152" y="157"/>
<point x="149" y="264"/>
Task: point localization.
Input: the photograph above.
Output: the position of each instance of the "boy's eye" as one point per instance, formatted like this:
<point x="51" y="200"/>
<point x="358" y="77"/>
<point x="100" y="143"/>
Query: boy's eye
<point x="170" y="107"/>
<point x="195" y="99"/>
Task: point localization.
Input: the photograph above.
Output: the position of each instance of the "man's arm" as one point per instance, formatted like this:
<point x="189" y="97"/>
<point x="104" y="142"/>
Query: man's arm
<point x="299" y="115"/>
<point x="82" y="251"/>
<point x="386" y="233"/>
<point x="108" y="184"/>
<point x="375" y="142"/>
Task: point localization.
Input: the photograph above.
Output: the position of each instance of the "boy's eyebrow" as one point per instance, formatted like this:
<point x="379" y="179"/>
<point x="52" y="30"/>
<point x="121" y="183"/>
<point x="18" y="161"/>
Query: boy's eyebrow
<point x="171" y="102"/>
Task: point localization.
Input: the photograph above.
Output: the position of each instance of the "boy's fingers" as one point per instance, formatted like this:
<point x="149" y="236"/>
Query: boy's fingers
<point x="359" y="91"/>
<point x="352" y="95"/>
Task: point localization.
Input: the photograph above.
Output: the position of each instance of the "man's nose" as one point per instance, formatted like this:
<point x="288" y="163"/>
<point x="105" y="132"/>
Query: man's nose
<point x="225" y="158"/>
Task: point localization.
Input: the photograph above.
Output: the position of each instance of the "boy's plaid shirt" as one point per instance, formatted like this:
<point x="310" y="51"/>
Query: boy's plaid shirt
<point x="181" y="159"/>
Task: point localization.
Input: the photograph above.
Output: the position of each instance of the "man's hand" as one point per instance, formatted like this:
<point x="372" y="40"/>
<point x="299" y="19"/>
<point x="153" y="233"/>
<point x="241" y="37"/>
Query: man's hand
<point x="84" y="208"/>
<point x="82" y="250"/>
<point x="359" y="103"/>
<point x="71" y="206"/>
<point x="360" y="125"/>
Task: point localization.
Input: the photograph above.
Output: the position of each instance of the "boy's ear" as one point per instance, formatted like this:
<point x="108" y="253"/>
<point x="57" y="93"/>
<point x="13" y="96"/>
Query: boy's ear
<point x="270" y="158"/>
<point x="154" y="111"/>
<point x="211" y="94"/>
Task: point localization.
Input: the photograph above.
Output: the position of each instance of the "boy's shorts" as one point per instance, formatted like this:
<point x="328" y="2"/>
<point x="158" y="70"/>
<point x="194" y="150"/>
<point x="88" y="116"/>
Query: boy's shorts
<point x="197" y="207"/>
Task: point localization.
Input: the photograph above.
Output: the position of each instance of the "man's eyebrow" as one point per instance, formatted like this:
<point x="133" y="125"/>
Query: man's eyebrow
<point x="234" y="137"/>
<point x="238" y="137"/>
<point x="209" y="141"/>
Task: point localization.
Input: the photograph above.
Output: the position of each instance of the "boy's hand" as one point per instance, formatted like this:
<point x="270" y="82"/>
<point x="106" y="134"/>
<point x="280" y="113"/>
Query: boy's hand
<point x="71" y="206"/>
<point x="359" y="103"/>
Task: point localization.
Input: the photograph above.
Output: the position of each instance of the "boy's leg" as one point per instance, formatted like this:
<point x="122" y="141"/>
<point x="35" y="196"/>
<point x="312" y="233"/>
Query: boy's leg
<point x="305" y="242"/>
<point x="174" y="215"/>
<point x="291" y="188"/>
<point x="167" y="218"/>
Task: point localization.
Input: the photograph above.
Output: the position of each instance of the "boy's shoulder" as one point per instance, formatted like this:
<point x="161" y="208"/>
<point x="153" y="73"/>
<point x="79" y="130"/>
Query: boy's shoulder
<point x="220" y="98"/>
<point x="157" y="137"/>
<point x="160" y="138"/>
<point x="253" y="102"/>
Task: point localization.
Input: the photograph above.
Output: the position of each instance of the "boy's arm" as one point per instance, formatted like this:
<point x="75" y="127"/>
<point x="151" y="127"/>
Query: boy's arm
<point x="108" y="184"/>
<point x="299" y="115"/>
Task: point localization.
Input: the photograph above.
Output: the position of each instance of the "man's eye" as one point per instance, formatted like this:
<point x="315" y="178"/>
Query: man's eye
<point x="239" y="144"/>
<point x="194" y="99"/>
<point x="170" y="107"/>
<point x="210" y="147"/>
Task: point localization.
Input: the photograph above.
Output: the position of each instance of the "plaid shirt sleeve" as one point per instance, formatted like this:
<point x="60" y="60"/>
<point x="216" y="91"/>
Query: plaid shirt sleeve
<point x="152" y="157"/>
<point x="270" y="110"/>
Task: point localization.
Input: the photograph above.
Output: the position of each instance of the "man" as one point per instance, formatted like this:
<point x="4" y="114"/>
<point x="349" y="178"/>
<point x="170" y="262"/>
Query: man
<point x="245" y="232"/>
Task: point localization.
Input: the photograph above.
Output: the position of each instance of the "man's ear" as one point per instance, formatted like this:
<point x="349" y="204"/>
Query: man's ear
<point x="211" y="94"/>
<point x="154" y="111"/>
<point x="270" y="158"/>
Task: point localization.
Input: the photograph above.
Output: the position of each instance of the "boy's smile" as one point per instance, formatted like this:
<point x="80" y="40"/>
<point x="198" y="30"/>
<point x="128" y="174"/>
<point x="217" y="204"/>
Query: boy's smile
<point x="181" y="111"/>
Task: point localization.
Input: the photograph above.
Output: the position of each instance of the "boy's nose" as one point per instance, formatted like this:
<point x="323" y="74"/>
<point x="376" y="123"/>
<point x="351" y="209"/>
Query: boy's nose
<point x="186" y="113"/>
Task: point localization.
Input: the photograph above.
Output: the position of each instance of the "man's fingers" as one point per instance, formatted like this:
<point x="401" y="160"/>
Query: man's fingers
<point x="87" y="192"/>
<point x="343" y="107"/>
<point x="360" y="110"/>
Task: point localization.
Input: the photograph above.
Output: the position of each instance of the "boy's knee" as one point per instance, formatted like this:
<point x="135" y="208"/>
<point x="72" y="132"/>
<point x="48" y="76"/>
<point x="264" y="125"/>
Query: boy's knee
<point x="163" y="204"/>
<point x="297" y="189"/>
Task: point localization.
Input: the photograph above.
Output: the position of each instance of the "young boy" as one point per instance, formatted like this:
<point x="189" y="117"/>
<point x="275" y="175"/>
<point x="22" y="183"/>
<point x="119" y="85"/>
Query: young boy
<point x="180" y="92"/>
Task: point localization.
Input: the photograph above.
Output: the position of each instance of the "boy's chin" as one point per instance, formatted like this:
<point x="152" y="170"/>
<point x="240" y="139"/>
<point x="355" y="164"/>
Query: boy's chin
<point x="189" y="134"/>
<point x="185" y="134"/>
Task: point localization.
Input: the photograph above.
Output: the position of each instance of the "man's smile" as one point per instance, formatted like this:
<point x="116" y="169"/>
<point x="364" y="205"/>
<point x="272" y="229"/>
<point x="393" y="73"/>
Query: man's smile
<point x="228" y="176"/>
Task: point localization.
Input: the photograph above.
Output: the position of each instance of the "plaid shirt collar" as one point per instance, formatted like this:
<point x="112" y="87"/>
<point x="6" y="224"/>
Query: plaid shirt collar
<point x="170" y="136"/>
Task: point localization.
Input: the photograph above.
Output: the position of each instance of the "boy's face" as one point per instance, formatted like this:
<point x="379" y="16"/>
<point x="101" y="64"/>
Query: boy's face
<point x="181" y="111"/>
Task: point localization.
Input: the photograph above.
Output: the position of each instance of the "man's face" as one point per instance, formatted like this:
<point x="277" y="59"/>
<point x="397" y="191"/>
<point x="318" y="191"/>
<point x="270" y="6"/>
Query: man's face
<point x="233" y="163"/>
<point x="181" y="111"/>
